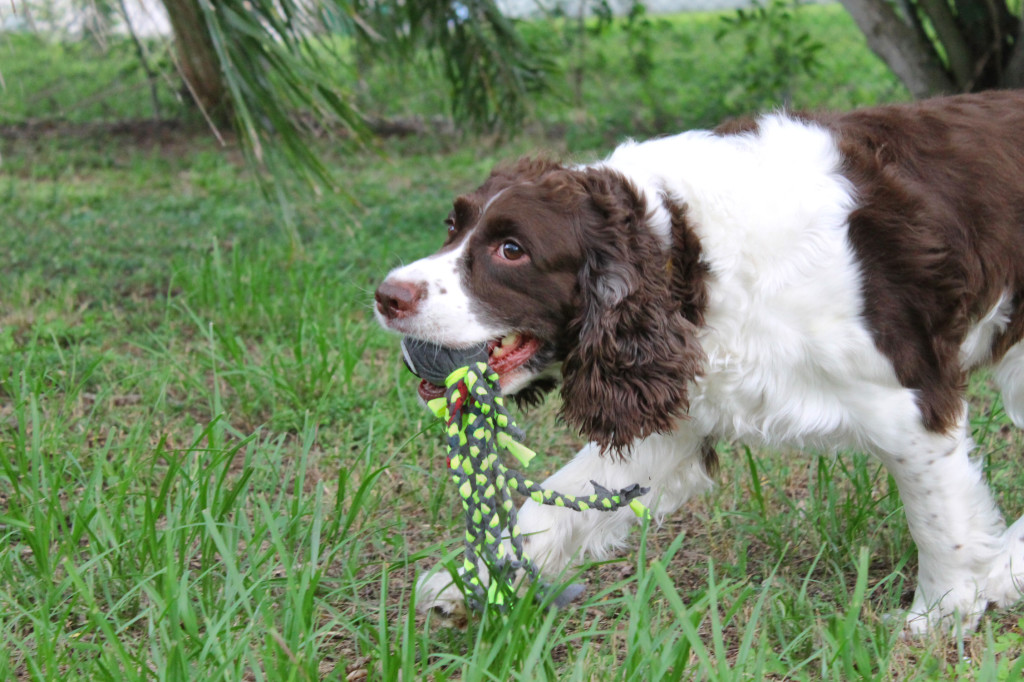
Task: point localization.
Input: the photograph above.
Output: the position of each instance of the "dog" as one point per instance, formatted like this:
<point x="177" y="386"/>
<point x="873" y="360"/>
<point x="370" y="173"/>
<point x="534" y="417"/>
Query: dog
<point x="820" y="280"/>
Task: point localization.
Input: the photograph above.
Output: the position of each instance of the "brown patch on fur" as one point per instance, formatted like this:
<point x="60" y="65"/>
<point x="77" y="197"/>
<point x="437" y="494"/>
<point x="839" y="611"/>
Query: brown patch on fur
<point x="538" y="206"/>
<point x="598" y="290"/>
<point x="709" y="458"/>
<point x="689" y="272"/>
<point x="467" y="209"/>
<point x="737" y="126"/>
<point x="938" y="229"/>
<point x="626" y="377"/>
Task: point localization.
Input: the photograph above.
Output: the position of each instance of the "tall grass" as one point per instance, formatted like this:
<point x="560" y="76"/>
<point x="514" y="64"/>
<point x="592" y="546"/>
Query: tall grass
<point x="213" y="465"/>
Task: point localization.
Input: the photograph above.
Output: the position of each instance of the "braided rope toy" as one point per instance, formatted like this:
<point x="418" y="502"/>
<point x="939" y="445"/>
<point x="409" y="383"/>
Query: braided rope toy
<point x="479" y="428"/>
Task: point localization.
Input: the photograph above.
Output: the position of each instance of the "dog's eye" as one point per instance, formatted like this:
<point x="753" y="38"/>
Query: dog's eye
<point x="511" y="250"/>
<point x="450" y="222"/>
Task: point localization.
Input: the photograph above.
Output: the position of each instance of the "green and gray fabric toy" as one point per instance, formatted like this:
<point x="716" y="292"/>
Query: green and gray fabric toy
<point x="479" y="429"/>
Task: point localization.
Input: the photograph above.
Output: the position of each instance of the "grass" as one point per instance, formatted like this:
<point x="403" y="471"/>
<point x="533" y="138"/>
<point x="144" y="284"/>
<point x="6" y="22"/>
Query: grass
<point x="213" y="465"/>
<point x="95" y="80"/>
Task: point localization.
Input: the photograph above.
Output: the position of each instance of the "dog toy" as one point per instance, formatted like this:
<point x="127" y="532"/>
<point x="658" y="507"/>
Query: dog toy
<point x="478" y="429"/>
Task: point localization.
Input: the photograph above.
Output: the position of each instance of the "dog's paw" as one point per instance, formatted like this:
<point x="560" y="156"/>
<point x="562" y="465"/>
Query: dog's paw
<point x="956" y="612"/>
<point x="1006" y="579"/>
<point x="437" y="594"/>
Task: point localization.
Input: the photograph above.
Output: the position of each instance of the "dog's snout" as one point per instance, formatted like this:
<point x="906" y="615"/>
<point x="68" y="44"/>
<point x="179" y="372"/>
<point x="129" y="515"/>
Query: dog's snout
<point x="396" y="299"/>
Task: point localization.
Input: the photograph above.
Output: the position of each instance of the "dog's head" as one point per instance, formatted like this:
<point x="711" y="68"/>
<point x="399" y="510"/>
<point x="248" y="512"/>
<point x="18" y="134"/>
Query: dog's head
<point x="560" y="272"/>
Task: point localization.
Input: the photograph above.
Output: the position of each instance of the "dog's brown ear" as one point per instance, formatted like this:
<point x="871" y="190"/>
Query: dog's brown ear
<point x="632" y="351"/>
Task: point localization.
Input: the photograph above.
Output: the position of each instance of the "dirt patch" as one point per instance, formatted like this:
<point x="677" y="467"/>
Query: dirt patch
<point x="166" y="135"/>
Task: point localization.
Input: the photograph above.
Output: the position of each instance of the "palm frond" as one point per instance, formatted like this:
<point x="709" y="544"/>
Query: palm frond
<point x="287" y="66"/>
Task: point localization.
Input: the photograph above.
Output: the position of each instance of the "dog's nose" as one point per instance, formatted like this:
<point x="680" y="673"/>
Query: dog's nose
<point x="396" y="300"/>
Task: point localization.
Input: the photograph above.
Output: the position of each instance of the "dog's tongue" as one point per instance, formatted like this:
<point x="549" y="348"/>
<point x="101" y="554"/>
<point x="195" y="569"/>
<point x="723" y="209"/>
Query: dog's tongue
<point x="433" y="363"/>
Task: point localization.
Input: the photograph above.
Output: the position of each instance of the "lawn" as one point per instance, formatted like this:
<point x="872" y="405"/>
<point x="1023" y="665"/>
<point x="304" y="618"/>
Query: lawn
<point x="213" y="465"/>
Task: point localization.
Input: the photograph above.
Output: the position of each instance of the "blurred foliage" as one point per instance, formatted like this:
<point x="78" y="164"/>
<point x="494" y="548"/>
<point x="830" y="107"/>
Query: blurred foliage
<point x="775" y="49"/>
<point x="601" y="76"/>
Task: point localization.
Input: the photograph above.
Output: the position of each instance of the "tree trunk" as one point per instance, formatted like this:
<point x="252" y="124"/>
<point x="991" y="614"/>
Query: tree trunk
<point x="958" y="52"/>
<point x="1013" y="75"/>
<point x="910" y="56"/>
<point x="197" y="59"/>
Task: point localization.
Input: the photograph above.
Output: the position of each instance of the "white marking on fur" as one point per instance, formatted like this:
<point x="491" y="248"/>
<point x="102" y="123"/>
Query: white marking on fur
<point x="488" y="204"/>
<point x="445" y="314"/>
<point x="977" y="347"/>
<point x="1009" y="375"/>
<point x="784" y="338"/>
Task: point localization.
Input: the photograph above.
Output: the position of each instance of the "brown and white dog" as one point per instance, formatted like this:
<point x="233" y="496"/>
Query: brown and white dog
<point x="822" y="280"/>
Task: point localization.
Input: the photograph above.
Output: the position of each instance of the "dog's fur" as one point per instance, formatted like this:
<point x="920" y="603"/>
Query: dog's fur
<point x="820" y="280"/>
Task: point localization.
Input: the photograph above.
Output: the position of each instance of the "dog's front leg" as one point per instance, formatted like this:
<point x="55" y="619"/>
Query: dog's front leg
<point x="671" y="466"/>
<point x="955" y="523"/>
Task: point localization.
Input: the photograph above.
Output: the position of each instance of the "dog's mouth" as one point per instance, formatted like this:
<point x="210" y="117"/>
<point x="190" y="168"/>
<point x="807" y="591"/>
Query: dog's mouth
<point x="507" y="356"/>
